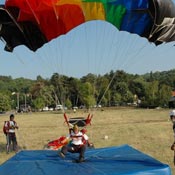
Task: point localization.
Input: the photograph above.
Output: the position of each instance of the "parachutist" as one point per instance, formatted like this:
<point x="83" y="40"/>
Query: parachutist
<point x="78" y="143"/>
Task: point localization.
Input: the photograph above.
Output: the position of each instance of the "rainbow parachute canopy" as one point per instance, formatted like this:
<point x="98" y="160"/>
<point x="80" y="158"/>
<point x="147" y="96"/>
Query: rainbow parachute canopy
<point x="34" y="23"/>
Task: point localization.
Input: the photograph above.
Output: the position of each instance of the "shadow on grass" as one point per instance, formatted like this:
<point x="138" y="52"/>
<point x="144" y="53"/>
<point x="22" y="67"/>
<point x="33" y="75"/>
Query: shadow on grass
<point x="3" y="148"/>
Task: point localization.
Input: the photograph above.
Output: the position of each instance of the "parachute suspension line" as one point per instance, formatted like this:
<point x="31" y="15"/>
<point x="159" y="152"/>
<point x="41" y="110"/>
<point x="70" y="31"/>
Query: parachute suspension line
<point x="44" y="60"/>
<point x="124" y="54"/>
<point x="52" y="56"/>
<point x="134" y="57"/>
<point x="107" y="88"/>
<point x="119" y="49"/>
<point x="95" y="52"/>
<point x="163" y="50"/>
<point x="116" y="59"/>
<point x="54" y="9"/>
<point x="46" y="56"/>
<point x="107" y="55"/>
<point x="19" y="27"/>
<point x="128" y="43"/>
<point x="88" y="49"/>
<point x="18" y="57"/>
<point x="102" y="50"/>
<point x="95" y="56"/>
<point x="128" y="49"/>
<point x="57" y="50"/>
<point x="59" y="61"/>
<point x="16" y="23"/>
<point x="37" y="20"/>
<point x="109" y="52"/>
<point x="166" y="50"/>
<point x="21" y="60"/>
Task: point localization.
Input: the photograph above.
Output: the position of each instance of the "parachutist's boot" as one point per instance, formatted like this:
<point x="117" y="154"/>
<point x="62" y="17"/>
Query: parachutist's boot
<point x="80" y="160"/>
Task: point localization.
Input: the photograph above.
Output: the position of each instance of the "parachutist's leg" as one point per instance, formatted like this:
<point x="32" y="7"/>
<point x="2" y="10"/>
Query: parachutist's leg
<point x="63" y="151"/>
<point x="82" y="151"/>
<point x="69" y="148"/>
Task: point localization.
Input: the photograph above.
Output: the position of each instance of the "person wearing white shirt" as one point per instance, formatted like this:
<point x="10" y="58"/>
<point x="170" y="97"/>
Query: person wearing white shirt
<point x="10" y="126"/>
<point x="77" y="144"/>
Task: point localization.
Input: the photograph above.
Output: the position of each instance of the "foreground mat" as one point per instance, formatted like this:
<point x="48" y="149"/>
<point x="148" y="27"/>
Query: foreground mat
<point x="121" y="160"/>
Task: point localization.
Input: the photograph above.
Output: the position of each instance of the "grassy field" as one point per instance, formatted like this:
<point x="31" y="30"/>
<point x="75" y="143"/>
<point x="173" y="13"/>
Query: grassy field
<point x="147" y="130"/>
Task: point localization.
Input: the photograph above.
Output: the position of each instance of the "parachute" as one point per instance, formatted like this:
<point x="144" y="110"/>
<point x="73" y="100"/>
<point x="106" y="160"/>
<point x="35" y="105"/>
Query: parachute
<point x="33" y="23"/>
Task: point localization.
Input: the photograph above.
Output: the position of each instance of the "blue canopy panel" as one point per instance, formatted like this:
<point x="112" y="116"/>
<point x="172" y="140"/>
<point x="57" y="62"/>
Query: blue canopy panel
<point x="137" y="18"/>
<point x="121" y="160"/>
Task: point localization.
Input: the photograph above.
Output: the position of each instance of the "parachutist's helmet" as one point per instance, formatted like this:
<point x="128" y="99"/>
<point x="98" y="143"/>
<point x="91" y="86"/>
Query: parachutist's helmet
<point x="75" y="128"/>
<point x="172" y="115"/>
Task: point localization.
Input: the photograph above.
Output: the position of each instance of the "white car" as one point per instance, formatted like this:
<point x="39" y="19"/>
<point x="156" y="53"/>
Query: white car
<point x="45" y="109"/>
<point x="59" y="107"/>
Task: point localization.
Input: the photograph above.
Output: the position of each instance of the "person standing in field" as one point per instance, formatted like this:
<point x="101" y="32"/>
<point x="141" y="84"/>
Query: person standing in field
<point x="9" y="131"/>
<point x="172" y="118"/>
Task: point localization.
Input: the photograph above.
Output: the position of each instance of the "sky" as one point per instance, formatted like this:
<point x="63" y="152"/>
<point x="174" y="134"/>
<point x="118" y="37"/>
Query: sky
<point x="95" y="47"/>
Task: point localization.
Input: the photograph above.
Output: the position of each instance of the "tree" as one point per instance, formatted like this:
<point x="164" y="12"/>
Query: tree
<point x="91" y="78"/>
<point x="74" y="91"/>
<point x="5" y="103"/>
<point x="44" y="92"/>
<point x="60" y="86"/>
<point x="102" y="86"/>
<point x="38" y="103"/>
<point x="86" y="95"/>
<point x="152" y="93"/>
<point x="164" y="95"/>
<point x="68" y="103"/>
<point x="116" y="99"/>
<point x="138" y="86"/>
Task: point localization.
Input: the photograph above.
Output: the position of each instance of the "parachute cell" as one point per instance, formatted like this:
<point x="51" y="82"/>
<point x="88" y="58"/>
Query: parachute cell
<point x="37" y="22"/>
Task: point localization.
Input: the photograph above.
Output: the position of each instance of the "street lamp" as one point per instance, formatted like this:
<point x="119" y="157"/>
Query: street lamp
<point x="17" y="97"/>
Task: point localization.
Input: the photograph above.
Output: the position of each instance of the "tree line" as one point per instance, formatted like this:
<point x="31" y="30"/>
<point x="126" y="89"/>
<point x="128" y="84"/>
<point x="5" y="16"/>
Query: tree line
<point x="116" y="88"/>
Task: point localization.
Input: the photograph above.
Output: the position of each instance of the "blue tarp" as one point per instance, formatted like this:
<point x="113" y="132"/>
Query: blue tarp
<point x="121" y="160"/>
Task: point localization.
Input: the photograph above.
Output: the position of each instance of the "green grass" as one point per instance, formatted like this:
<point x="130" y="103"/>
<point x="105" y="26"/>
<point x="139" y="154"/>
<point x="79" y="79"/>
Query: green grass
<point x="147" y="130"/>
